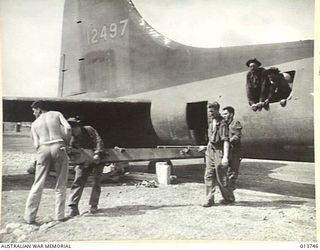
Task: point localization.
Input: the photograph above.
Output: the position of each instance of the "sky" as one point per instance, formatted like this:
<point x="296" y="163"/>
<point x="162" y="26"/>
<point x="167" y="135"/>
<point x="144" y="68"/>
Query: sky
<point x="31" y="32"/>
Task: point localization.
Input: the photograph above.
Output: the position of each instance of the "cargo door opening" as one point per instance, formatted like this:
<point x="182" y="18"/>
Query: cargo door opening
<point x="197" y="121"/>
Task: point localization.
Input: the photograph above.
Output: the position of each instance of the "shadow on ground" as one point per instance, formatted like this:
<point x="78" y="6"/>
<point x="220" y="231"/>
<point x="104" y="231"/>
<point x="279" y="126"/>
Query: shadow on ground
<point x="24" y="182"/>
<point x="132" y="210"/>
<point x="254" y="176"/>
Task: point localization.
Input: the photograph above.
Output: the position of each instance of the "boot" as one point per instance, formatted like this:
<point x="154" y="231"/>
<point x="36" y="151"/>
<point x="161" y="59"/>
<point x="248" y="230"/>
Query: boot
<point x="74" y="211"/>
<point x="209" y="201"/>
<point x="93" y="210"/>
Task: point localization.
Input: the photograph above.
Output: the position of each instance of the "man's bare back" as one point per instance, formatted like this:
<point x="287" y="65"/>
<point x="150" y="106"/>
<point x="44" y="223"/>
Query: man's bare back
<point x="48" y="139"/>
<point x="47" y="128"/>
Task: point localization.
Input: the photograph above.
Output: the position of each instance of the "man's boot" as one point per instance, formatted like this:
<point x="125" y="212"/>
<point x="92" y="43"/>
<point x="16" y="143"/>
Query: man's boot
<point x="93" y="209"/>
<point x="74" y="211"/>
<point x="209" y="201"/>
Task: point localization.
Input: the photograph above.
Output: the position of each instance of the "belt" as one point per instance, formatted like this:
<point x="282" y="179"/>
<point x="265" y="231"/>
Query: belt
<point x="52" y="142"/>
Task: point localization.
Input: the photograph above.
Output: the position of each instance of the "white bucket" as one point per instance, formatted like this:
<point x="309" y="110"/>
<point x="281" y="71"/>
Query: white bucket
<point x="163" y="171"/>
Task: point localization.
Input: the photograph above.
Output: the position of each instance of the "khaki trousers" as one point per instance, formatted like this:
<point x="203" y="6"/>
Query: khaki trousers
<point x="83" y="160"/>
<point x="216" y="175"/>
<point x="50" y="156"/>
<point x="233" y="170"/>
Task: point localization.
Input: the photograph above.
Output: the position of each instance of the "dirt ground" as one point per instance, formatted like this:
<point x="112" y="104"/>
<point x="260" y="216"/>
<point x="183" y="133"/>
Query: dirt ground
<point x="275" y="201"/>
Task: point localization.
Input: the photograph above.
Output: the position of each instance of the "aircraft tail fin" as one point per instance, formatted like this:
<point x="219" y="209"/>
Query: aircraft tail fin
<point x="109" y="49"/>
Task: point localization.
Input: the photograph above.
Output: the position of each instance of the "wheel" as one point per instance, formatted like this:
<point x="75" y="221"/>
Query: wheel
<point x="152" y="167"/>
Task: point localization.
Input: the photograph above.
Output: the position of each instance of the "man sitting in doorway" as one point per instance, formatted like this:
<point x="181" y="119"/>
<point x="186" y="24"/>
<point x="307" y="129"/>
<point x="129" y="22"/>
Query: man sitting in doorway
<point x="255" y="83"/>
<point x="278" y="89"/>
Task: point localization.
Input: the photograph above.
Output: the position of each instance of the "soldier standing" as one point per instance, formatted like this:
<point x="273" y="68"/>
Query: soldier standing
<point x="217" y="157"/>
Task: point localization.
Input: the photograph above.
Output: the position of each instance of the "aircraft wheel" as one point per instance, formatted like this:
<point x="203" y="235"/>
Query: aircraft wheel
<point x="152" y="167"/>
<point x="124" y="166"/>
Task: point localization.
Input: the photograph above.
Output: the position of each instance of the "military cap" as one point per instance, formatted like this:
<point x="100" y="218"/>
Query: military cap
<point x="254" y="60"/>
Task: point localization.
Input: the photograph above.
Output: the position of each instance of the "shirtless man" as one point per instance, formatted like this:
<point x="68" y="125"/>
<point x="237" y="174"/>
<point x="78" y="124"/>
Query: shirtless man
<point x="49" y="139"/>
